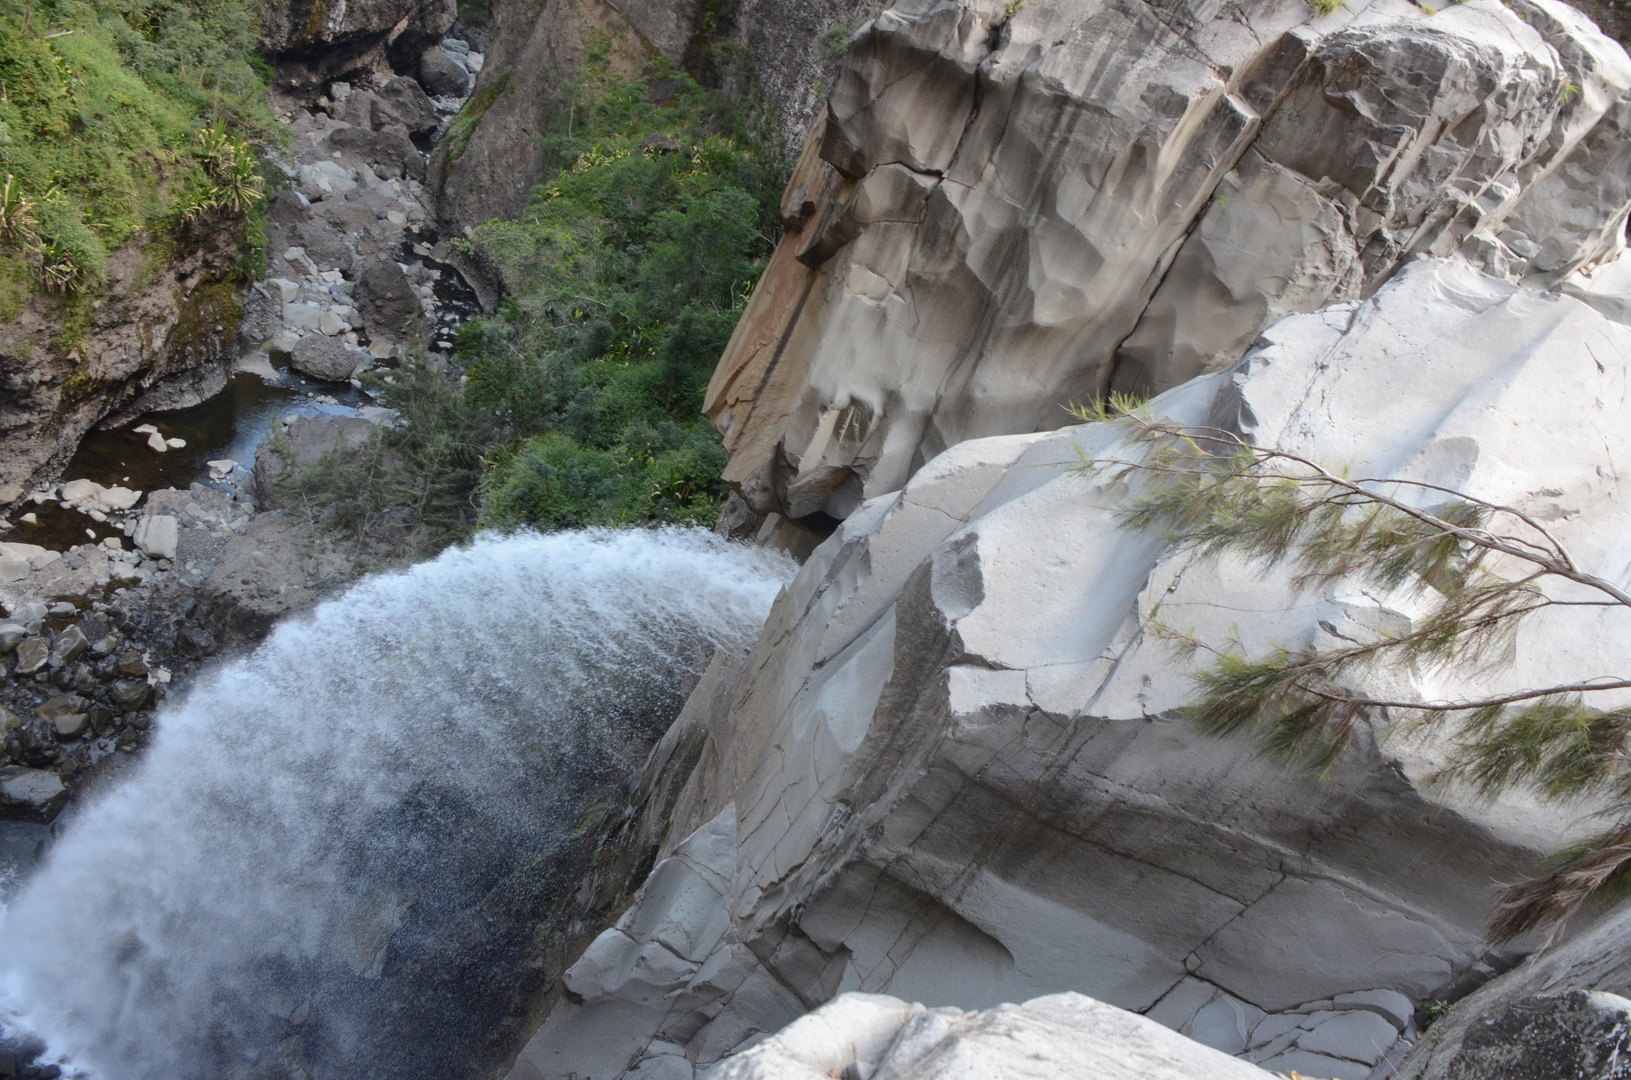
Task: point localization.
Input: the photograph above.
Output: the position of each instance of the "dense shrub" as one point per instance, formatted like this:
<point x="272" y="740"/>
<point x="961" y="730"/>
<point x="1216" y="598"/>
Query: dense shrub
<point x="581" y="400"/>
<point x="114" y="115"/>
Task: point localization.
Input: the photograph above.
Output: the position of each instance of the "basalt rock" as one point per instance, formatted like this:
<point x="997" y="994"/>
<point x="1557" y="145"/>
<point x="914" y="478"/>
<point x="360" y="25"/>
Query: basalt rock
<point x="1007" y="210"/>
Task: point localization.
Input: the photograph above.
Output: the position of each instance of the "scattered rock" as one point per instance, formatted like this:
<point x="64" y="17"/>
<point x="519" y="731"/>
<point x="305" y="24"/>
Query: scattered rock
<point x="32" y="655"/>
<point x="157" y="535"/>
<point x="400" y="100"/>
<point x="32" y="794"/>
<point x="130" y="694"/>
<point x="321" y="357"/>
<point x="194" y="642"/>
<point x="10" y="634"/>
<point x="386" y="299"/>
<point x="156" y="443"/>
<point x="69" y="644"/>
<point x="131" y="664"/>
<point x="325" y="178"/>
<point x="66" y="713"/>
<point x="440" y="75"/>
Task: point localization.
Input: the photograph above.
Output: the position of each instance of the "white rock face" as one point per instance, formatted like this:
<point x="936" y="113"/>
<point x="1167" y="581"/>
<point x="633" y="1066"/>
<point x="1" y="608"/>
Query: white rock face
<point x="1010" y="208"/>
<point x="1056" y="1036"/>
<point x="948" y="772"/>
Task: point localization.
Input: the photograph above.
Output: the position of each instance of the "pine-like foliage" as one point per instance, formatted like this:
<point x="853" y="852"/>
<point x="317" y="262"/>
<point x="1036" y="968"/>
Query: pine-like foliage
<point x="1477" y="569"/>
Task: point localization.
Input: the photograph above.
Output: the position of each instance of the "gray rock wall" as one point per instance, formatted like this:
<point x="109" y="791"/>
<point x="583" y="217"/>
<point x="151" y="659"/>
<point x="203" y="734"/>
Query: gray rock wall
<point x="948" y="771"/>
<point x="1007" y="210"/>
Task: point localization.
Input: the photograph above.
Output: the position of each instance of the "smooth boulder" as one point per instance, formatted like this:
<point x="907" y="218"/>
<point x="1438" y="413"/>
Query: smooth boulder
<point x="323" y="357"/>
<point x="440" y="75"/>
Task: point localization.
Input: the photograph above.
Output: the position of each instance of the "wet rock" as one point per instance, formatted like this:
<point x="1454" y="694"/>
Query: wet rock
<point x="66" y="713"/>
<point x="130" y="663"/>
<point x="69" y="644"/>
<point x="323" y="357"/>
<point x="32" y="655"/>
<point x="128" y="695"/>
<point x="158" y="535"/>
<point x="386" y="299"/>
<point x="400" y="100"/>
<point x="194" y="642"/>
<point x="32" y="794"/>
<point x="440" y="75"/>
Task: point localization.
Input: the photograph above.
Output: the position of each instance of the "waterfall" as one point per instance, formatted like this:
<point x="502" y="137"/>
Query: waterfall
<point x="285" y="883"/>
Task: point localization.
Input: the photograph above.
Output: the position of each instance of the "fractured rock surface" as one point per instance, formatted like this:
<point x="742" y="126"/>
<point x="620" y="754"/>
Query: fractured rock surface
<point x="1008" y="210"/>
<point x="949" y="771"/>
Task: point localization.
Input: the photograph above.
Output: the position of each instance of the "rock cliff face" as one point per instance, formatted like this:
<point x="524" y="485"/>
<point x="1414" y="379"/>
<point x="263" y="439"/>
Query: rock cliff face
<point x="947" y="772"/>
<point x="160" y="336"/>
<point x="780" y="53"/>
<point x="1011" y="208"/>
<point x="314" y="41"/>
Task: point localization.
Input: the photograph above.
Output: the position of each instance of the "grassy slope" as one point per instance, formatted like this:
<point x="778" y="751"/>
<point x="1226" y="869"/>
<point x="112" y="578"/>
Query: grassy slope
<point x="101" y="107"/>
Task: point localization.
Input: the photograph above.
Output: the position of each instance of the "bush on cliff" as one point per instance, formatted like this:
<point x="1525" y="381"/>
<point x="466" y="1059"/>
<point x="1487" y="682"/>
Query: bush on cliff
<point x="116" y="116"/>
<point x="1478" y="570"/>
<point x="626" y="275"/>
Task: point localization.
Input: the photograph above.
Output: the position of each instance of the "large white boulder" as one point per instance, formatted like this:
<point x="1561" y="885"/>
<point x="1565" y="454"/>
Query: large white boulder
<point x="952" y="762"/>
<point x="1061" y="1035"/>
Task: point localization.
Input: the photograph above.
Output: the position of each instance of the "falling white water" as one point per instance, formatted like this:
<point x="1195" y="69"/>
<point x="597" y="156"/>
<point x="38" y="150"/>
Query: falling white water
<point x="312" y="830"/>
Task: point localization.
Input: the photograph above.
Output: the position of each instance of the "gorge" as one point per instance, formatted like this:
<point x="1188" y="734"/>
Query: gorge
<point x="895" y="772"/>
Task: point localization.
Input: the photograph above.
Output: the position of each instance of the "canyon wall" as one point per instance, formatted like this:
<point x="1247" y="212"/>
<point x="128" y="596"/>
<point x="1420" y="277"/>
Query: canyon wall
<point x="776" y="55"/>
<point x="160" y="335"/>
<point x="949" y="770"/>
<point x="1010" y="209"/>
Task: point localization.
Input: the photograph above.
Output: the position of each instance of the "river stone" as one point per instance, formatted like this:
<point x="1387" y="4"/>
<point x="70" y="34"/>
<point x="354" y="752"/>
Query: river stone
<point x="440" y="75"/>
<point x="400" y="100"/>
<point x="130" y="694"/>
<point x="9" y="721"/>
<point x="10" y="634"/>
<point x="31" y="793"/>
<point x="1357" y="1036"/>
<point x="32" y="655"/>
<point x="302" y="315"/>
<point x="386" y="300"/>
<point x="323" y="357"/>
<point x="66" y="713"/>
<point x="69" y="644"/>
<point x="130" y="663"/>
<point x="12" y="567"/>
<point x="158" y="535"/>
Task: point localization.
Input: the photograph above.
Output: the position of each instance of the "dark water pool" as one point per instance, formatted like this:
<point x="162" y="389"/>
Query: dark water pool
<point x="229" y="425"/>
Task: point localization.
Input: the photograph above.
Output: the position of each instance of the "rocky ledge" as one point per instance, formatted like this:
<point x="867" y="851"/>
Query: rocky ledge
<point x="95" y="637"/>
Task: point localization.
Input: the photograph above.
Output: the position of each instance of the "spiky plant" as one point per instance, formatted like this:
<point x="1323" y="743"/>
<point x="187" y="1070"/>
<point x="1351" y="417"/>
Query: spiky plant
<point x="1478" y="570"/>
<point x="17" y="224"/>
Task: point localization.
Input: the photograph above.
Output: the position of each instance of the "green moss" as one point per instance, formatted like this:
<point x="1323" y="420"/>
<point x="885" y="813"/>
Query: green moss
<point x="314" y="20"/>
<point x="464" y="125"/>
<point x="101" y="107"/>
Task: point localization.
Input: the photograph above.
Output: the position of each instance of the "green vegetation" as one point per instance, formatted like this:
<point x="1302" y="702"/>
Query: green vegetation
<point x="1478" y="570"/>
<point x="624" y="278"/>
<point x="123" y="115"/>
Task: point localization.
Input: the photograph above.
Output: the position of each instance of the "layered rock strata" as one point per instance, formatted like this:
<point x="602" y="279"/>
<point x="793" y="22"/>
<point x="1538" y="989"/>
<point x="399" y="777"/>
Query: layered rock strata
<point x="1008" y="209"/>
<point x="947" y="771"/>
